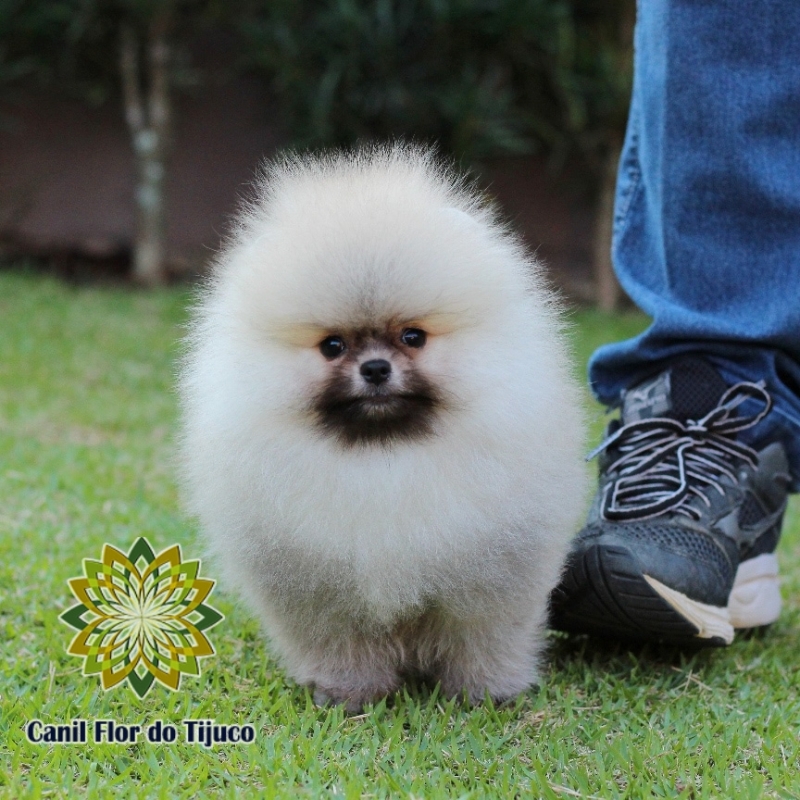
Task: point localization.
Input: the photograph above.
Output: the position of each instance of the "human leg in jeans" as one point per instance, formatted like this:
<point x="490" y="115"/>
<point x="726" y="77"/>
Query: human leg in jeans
<point x="679" y="544"/>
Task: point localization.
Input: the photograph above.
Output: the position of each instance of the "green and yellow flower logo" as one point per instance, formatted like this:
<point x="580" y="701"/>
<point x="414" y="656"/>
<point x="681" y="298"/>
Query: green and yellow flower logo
<point x="141" y="617"/>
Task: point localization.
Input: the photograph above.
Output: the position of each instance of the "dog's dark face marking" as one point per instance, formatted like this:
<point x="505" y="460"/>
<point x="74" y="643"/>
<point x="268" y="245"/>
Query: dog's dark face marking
<point x="376" y="392"/>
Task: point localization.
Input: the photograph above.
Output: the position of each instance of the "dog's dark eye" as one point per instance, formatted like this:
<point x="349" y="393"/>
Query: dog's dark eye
<point x="332" y="346"/>
<point x="413" y="337"/>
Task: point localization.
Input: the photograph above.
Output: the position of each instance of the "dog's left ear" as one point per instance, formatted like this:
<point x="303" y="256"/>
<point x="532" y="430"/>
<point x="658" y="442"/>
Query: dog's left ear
<point x="456" y="214"/>
<point x="461" y="217"/>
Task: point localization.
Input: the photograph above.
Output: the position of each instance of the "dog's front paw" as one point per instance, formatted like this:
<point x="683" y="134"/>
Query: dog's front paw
<point x="353" y="702"/>
<point x="473" y="681"/>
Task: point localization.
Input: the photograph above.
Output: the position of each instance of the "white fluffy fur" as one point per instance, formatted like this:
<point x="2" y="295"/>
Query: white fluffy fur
<point x="433" y="555"/>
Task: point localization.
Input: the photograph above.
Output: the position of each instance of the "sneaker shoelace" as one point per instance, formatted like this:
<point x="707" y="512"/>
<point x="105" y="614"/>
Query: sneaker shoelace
<point x="664" y="464"/>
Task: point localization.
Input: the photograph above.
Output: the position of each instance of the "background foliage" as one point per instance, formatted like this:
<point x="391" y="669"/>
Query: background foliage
<point x="71" y="47"/>
<point x="482" y="77"/>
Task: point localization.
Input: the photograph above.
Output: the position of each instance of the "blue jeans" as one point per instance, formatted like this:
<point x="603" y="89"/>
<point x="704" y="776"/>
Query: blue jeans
<point x="707" y="215"/>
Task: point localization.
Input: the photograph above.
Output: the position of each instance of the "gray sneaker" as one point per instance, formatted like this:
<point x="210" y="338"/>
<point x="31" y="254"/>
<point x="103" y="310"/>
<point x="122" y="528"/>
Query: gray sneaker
<point x="679" y="546"/>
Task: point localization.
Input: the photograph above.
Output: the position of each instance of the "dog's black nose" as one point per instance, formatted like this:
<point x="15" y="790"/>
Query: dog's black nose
<point x="376" y="370"/>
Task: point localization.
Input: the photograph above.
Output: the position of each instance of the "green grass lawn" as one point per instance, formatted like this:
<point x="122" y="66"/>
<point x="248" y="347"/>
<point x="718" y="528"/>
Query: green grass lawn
<point x="87" y="420"/>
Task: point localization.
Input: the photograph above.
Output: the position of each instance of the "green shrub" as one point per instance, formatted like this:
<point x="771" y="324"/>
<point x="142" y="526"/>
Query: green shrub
<point x="71" y="47"/>
<point x="482" y="77"/>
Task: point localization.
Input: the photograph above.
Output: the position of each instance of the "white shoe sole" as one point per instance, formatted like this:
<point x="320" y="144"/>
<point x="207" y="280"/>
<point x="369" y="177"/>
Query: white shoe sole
<point x="755" y="600"/>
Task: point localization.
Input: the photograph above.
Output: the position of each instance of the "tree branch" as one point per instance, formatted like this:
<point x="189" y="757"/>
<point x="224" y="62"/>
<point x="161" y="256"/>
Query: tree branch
<point x="159" y="55"/>
<point x="131" y="88"/>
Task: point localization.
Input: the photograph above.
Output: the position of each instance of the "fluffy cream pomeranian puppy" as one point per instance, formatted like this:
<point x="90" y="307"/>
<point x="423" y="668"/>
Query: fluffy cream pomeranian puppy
<point x="382" y="439"/>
